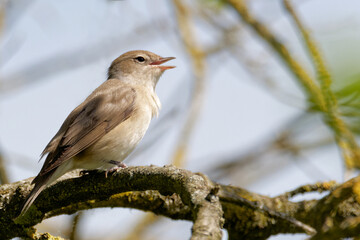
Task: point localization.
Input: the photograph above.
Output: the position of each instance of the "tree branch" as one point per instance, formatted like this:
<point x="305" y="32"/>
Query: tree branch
<point x="73" y="194"/>
<point x="180" y="194"/>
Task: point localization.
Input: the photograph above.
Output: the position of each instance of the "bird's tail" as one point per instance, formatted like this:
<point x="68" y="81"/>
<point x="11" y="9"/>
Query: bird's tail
<point x="40" y="183"/>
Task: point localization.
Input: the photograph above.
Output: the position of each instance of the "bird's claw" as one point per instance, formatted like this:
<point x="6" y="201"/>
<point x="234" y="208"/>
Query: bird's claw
<point x="87" y="172"/>
<point x="118" y="165"/>
<point x="111" y="171"/>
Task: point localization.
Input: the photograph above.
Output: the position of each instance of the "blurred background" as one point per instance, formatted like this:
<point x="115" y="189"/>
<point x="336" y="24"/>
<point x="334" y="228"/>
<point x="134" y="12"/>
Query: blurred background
<point x="232" y="109"/>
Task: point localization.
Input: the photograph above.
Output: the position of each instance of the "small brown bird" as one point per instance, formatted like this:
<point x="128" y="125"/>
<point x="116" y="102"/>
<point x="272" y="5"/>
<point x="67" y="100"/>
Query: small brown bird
<point x="103" y="130"/>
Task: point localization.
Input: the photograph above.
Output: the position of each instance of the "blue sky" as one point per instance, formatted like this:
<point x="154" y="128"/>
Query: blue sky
<point x="65" y="47"/>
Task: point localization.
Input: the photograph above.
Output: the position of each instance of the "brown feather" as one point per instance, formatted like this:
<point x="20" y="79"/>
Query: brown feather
<point x="89" y="122"/>
<point x="108" y="125"/>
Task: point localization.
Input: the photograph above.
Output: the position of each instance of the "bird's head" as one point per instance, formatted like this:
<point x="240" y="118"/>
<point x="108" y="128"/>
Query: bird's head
<point x="139" y="67"/>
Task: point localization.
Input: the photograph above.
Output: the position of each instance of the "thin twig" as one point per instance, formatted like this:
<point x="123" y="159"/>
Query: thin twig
<point x="137" y="233"/>
<point x="75" y="226"/>
<point x="294" y="66"/>
<point x="345" y="139"/>
<point x="197" y="55"/>
<point x="317" y="187"/>
<point x="3" y="173"/>
<point x="322" y="97"/>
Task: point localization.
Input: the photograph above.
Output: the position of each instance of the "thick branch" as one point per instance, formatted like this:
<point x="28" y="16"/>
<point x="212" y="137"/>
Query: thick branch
<point x="194" y="190"/>
<point x="180" y="194"/>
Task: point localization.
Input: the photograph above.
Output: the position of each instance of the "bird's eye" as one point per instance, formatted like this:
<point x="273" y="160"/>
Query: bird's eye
<point x="140" y="59"/>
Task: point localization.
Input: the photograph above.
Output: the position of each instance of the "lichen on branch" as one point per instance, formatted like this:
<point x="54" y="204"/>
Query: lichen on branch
<point x="180" y="194"/>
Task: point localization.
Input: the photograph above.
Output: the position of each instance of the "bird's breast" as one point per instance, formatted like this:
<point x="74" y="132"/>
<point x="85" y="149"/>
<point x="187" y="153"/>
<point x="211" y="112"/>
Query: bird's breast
<point x="119" y="142"/>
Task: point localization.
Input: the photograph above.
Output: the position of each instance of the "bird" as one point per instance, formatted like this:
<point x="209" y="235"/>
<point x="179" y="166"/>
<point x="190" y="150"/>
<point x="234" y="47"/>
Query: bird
<point x="106" y="127"/>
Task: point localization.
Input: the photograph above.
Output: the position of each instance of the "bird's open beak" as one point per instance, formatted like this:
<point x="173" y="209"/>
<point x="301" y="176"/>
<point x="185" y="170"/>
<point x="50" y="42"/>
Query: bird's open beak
<point x="161" y="61"/>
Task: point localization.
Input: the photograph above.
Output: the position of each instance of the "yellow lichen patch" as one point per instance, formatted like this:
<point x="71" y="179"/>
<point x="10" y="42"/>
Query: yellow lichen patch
<point x="356" y="190"/>
<point x="33" y="234"/>
<point x="47" y="236"/>
<point x="327" y="185"/>
<point x="130" y="196"/>
<point x="121" y="195"/>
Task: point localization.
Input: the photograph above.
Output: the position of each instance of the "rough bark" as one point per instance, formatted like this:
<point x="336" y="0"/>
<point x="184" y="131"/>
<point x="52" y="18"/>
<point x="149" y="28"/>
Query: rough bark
<point x="181" y="194"/>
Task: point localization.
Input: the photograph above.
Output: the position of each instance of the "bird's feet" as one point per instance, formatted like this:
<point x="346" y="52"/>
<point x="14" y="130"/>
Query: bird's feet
<point x="87" y="172"/>
<point x="118" y="165"/>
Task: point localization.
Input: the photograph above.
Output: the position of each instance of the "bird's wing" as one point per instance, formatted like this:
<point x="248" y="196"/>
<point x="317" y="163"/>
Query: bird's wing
<point x="101" y="112"/>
